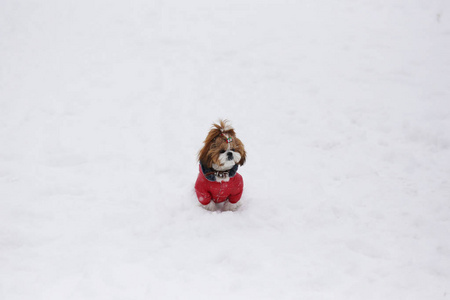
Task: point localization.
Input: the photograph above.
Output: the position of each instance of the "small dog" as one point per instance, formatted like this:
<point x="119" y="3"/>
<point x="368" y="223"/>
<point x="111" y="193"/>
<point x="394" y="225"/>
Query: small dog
<point x="218" y="180"/>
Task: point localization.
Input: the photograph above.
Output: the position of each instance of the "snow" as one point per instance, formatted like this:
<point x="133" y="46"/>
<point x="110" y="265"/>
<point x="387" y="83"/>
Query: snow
<point x="343" y="107"/>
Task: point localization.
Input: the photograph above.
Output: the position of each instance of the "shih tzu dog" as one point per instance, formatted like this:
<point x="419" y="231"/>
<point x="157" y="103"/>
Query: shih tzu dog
<point x="218" y="180"/>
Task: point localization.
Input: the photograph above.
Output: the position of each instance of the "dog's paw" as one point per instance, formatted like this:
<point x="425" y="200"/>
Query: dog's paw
<point x="231" y="206"/>
<point x="211" y="206"/>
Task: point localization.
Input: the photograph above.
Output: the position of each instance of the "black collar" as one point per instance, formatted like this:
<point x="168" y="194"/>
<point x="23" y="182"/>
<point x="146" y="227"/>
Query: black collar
<point x="210" y="174"/>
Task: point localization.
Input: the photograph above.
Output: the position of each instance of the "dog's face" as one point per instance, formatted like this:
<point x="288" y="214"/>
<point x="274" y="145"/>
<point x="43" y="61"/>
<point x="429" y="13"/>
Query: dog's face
<point x="222" y="149"/>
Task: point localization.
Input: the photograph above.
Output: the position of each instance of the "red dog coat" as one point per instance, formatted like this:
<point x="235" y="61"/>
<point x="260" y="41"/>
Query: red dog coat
<point x="207" y="188"/>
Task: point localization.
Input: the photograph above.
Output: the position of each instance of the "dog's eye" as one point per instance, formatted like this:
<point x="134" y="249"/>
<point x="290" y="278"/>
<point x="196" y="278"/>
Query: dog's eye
<point x="233" y="150"/>
<point x="222" y="151"/>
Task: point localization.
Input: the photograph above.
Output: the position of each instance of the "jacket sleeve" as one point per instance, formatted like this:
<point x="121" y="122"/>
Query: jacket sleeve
<point x="203" y="196"/>
<point x="237" y="192"/>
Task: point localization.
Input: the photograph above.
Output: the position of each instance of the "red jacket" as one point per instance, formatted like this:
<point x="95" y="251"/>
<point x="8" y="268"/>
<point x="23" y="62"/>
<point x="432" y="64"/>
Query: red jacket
<point x="208" y="189"/>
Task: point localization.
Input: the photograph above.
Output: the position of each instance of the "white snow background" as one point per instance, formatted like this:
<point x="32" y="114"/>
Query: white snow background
<point x="343" y="107"/>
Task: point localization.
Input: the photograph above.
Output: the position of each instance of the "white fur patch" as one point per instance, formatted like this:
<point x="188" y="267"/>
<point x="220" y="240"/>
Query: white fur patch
<point x="230" y="206"/>
<point x="211" y="206"/>
<point x="226" y="164"/>
<point x="224" y="179"/>
<point x="227" y="128"/>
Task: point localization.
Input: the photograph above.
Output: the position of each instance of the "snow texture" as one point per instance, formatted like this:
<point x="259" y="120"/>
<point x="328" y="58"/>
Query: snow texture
<point x="343" y="107"/>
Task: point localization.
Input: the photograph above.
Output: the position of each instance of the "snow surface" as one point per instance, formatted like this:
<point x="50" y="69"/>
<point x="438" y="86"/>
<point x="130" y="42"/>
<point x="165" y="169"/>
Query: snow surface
<point x="344" y="110"/>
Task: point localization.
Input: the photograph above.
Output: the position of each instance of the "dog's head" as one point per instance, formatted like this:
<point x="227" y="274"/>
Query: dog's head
<point x="222" y="149"/>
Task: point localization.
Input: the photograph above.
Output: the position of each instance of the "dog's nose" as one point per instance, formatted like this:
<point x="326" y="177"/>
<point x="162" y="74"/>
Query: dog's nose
<point x="229" y="156"/>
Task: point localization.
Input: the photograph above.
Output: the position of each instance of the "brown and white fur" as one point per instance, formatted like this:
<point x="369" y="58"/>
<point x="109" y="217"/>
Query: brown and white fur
<point x="221" y="151"/>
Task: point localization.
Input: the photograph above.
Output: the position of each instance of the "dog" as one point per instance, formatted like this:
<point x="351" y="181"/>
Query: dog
<point x="220" y="157"/>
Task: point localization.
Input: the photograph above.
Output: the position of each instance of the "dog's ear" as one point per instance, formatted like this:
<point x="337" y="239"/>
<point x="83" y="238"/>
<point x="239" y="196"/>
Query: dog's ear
<point x="204" y="155"/>
<point x="241" y="151"/>
<point x="243" y="159"/>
